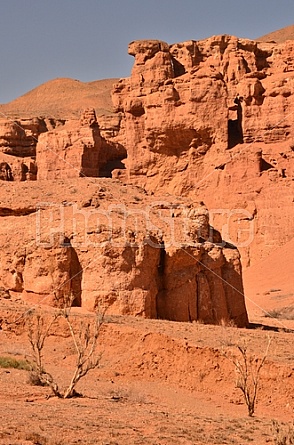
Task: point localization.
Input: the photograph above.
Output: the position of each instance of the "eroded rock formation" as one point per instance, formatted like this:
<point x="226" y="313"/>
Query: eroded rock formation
<point x="121" y="249"/>
<point x="70" y="151"/>
<point x="210" y="120"/>
<point x="186" y="104"/>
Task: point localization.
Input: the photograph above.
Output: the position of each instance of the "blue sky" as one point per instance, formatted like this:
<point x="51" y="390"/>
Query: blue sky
<point x="88" y="39"/>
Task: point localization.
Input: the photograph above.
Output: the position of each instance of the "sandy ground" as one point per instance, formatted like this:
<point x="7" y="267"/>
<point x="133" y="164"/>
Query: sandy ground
<point x="158" y="382"/>
<point x="269" y="284"/>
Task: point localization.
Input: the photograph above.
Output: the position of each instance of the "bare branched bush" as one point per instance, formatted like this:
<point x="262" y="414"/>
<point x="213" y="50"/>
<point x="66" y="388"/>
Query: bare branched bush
<point x="38" y="330"/>
<point x="248" y="369"/>
<point x="85" y="339"/>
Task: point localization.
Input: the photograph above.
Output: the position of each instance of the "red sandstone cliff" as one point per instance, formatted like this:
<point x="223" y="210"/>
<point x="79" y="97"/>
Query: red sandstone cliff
<point x="213" y="120"/>
<point x="103" y="243"/>
<point x="210" y="120"/>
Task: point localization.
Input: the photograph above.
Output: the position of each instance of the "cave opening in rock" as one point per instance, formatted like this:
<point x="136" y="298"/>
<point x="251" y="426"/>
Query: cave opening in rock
<point x="111" y="158"/>
<point x="111" y="165"/>
<point x="5" y="172"/>
<point x="75" y="274"/>
<point x="179" y="69"/>
<point x="24" y="172"/>
<point x="235" y="128"/>
<point x="265" y="165"/>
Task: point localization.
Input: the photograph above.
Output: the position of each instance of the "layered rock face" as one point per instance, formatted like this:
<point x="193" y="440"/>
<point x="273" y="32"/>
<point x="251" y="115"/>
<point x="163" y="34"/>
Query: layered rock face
<point x="120" y="249"/>
<point x="19" y="138"/>
<point x="208" y="120"/>
<point x="70" y="151"/>
<point x="185" y="105"/>
<point x="50" y="148"/>
<point x="213" y="120"/>
<point x="18" y="141"/>
<point x="166" y="110"/>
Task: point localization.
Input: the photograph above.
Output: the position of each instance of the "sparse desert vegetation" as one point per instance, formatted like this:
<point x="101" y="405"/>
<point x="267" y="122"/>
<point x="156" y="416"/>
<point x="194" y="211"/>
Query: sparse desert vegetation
<point x="284" y="313"/>
<point x="13" y="363"/>
<point x="157" y="382"/>
<point x="283" y="433"/>
<point x="248" y="368"/>
<point x="84" y="336"/>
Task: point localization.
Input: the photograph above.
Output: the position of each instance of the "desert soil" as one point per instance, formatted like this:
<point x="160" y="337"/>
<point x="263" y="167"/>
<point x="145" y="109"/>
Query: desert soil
<point x="159" y="382"/>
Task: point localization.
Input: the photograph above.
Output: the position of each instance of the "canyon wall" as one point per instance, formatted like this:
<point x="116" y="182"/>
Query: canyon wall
<point x="207" y="120"/>
<point x="213" y="120"/>
<point x="100" y="243"/>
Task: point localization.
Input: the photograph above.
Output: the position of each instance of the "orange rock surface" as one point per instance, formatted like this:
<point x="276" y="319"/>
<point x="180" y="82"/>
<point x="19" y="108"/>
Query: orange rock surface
<point x="206" y="120"/>
<point x="102" y="243"/>
<point x="104" y="205"/>
<point x="217" y="125"/>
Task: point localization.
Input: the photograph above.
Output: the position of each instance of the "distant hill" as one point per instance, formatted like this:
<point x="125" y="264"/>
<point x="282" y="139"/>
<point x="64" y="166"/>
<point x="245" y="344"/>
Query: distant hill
<point x="279" y="36"/>
<point x="65" y="97"/>
<point x="62" y="98"/>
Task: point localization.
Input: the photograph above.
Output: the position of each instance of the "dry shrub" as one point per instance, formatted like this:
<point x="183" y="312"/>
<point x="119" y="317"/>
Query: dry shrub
<point x="85" y="340"/>
<point x="283" y="434"/>
<point x="248" y="369"/>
